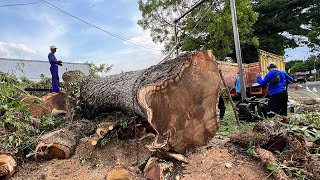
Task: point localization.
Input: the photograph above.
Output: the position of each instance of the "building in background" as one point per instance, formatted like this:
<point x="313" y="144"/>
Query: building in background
<point x="33" y="69"/>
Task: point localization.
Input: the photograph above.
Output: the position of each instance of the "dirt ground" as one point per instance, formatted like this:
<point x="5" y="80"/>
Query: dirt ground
<point x="214" y="161"/>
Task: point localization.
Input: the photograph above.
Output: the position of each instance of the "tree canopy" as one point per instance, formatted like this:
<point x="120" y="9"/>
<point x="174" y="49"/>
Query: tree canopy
<point x="287" y="24"/>
<point x="207" y="27"/>
<point x="302" y="66"/>
<point x="271" y="25"/>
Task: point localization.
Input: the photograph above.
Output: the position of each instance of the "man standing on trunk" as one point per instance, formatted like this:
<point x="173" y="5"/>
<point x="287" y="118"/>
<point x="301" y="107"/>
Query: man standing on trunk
<point x="277" y="82"/>
<point x="54" y="69"/>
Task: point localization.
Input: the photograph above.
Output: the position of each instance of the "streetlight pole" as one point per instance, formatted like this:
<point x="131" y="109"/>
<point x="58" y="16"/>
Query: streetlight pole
<point x="237" y="47"/>
<point x="315" y="70"/>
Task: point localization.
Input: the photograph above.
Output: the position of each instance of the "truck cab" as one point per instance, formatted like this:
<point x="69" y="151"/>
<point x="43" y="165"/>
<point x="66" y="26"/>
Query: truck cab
<point x="300" y="77"/>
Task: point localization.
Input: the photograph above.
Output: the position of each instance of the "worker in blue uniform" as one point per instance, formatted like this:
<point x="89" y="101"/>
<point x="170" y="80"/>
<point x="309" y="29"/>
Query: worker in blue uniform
<point x="54" y="63"/>
<point x="277" y="82"/>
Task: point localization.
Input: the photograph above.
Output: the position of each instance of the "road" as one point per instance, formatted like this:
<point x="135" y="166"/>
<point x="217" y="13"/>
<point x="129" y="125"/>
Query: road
<point x="309" y="89"/>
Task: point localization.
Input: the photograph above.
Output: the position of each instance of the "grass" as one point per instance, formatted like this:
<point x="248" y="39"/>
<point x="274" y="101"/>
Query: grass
<point x="230" y="125"/>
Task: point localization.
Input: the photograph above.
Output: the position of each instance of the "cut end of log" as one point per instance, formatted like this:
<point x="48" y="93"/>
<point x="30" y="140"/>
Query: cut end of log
<point x="8" y="165"/>
<point x="52" y="103"/>
<point x="119" y="174"/>
<point x="110" y="128"/>
<point x="101" y="131"/>
<point x="45" y="152"/>
<point x="183" y="109"/>
<point x="94" y="142"/>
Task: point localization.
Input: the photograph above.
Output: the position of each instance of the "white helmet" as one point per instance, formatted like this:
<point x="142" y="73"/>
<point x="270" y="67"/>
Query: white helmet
<point x="53" y="47"/>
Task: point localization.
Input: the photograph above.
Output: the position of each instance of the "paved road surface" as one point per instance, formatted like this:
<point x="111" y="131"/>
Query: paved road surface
<point x="309" y="89"/>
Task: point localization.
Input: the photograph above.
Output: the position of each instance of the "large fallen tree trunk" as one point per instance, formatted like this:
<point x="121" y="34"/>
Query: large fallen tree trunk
<point x="178" y="98"/>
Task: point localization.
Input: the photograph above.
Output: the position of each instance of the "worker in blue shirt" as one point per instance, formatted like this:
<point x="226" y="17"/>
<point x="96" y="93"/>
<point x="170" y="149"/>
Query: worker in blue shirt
<point x="54" y="69"/>
<point x="277" y="82"/>
<point x="238" y="87"/>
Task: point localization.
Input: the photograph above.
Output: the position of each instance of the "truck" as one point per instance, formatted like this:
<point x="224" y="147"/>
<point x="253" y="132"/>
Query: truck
<point x="300" y="77"/>
<point x="251" y="72"/>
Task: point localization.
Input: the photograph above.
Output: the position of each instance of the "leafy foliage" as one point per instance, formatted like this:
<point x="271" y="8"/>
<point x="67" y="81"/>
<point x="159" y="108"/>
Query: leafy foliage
<point x="96" y="70"/>
<point x="302" y="66"/>
<point x="207" y="27"/>
<point x="272" y="167"/>
<point x="287" y="24"/>
<point x="18" y="130"/>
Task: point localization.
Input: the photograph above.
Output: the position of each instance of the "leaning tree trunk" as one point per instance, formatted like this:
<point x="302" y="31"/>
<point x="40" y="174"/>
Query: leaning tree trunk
<point x="178" y="98"/>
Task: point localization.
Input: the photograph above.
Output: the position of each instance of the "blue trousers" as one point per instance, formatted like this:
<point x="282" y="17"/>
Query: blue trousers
<point x="55" y="78"/>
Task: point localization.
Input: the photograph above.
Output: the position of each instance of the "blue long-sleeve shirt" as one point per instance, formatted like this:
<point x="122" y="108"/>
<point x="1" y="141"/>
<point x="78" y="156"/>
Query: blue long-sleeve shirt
<point x="278" y="87"/>
<point x="238" y="87"/>
<point x="52" y="59"/>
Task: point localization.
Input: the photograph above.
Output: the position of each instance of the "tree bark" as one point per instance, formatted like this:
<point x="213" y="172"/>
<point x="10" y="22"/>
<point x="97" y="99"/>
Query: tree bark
<point x="62" y="143"/>
<point x="178" y="98"/>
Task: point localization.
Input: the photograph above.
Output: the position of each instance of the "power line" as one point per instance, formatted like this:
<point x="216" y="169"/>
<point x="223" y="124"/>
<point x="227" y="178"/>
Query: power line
<point x="105" y="31"/>
<point x="21" y="4"/>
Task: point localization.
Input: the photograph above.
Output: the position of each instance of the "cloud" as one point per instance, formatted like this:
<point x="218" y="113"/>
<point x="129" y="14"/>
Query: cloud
<point x="299" y="53"/>
<point x="14" y="50"/>
<point x="33" y="41"/>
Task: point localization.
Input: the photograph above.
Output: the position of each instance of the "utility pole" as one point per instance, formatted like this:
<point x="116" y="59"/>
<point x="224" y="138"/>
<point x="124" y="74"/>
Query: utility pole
<point x="237" y="47"/>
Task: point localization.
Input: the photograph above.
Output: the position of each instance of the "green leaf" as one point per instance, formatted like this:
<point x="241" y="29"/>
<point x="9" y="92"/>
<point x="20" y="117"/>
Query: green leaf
<point x="272" y="167"/>
<point x="11" y="138"/>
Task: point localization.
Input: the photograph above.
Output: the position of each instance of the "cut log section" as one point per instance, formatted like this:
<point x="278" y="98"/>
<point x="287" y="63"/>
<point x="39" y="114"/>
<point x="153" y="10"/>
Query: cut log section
<point x="178" y="98"/>
<point x="61" y="144"/>
<point x="53" y="103"/>
<point x="8" y="165"/>
<point x="119" y="173"/>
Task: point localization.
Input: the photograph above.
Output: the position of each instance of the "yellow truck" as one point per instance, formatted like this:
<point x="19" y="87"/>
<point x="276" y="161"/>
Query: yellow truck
<point x="251" y="72"/>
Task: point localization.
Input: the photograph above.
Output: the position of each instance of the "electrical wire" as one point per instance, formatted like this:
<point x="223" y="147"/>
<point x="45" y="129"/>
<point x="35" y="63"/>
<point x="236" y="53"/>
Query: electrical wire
<point x="86" y="22"/>
<point x="105" y="31"/>
<point x="21" y="4"/>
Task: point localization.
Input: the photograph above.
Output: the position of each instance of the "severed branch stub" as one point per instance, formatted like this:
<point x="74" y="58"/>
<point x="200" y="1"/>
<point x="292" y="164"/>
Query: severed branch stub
<point x="177" y="97"/>
<point x="103" y="131"/>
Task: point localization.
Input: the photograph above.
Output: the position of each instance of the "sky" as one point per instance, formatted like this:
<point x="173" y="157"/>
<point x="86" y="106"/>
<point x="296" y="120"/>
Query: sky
<point x="27" y="32"/>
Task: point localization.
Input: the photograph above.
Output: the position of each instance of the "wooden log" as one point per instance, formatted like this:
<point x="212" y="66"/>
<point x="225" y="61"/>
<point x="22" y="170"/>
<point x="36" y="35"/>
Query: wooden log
<point x="178" y="98"/>
<point x="104" y="128"/>
<point x="8" y="165"/>
<point x="157" y="171"/>
<point x="61" y="144"/>
<point x="119" y="173"/>
<point x="52" y="103"/>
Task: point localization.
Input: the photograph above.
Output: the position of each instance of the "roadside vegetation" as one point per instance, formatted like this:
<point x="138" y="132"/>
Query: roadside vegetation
<point x="19" y="131"/>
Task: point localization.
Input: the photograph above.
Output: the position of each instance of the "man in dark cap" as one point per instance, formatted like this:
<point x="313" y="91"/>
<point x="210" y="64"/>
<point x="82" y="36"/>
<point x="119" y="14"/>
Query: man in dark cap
<point x="277" y="81"/>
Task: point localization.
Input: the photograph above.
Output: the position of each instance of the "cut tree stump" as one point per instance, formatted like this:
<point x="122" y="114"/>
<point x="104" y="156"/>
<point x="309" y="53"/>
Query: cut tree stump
<point x="178" y="97"/>
<point x="8" y="165"/>
<point x="61" y="144"/>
